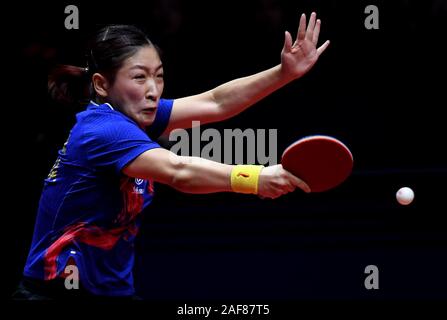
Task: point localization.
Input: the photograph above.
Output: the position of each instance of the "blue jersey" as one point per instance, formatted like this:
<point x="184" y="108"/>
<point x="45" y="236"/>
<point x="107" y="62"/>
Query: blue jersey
<point x="89" y="211"/>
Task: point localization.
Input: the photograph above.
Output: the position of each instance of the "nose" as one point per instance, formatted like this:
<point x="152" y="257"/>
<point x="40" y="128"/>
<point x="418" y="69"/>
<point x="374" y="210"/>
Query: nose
<point x="152" y="90"/>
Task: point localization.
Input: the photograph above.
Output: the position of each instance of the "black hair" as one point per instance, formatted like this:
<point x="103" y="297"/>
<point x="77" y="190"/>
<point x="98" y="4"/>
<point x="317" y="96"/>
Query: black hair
<point x="106" y="53"/>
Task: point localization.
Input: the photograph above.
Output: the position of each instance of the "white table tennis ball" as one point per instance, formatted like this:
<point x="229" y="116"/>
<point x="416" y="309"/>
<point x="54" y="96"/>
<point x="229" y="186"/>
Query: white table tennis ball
<point x="405" y="196"/>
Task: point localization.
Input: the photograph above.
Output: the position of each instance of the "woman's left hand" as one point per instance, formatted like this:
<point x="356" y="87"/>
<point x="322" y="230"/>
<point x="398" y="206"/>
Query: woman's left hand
<point x="299" y="57"/>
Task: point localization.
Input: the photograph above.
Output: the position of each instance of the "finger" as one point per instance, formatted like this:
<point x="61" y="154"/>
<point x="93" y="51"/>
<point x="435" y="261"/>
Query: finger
<point x="272" y="195"/>
<point x="301" y="28"/>
<point x="323" y="47"/>
<point x="277" y="194"/>
<point x="280" y="191"/>
<point x="311" y="26"/>
<point x="287" y="42"/>
<point x="303" y="186"/>
<point x="289" y="187"/>
<point x="316" y="32"/>
<point x="299" y="183"/>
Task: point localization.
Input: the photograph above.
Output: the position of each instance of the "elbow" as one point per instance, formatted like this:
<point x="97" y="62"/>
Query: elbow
<point x="181" y="182"/>
<point x="219" y="111"/>
<point x="181" y="177"/>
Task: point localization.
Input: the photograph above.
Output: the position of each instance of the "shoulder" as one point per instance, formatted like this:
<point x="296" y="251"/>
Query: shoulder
<point x="161" y="119"/>
<point x="165" y="103"/>
<point x="103" y="123"/>
<point x="101" y="115"/>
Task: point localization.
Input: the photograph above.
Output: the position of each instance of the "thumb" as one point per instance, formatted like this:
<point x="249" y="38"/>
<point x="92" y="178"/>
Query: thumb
<point x="287" y="42"/>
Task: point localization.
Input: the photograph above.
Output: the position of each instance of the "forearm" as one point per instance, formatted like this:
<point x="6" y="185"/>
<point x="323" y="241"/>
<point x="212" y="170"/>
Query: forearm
<point x="198" y="175"/>
<point x="226" y="100"/>
<point x="237" y="95"/>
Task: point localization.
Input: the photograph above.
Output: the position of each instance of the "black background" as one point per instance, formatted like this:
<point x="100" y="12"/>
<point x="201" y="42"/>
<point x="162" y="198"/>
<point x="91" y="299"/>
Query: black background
<point x="382" y="92"/>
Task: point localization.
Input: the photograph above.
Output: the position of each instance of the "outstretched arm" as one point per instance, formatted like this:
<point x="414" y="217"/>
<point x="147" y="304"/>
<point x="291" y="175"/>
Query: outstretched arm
<point x="233" y="97"/>
<point x="198" y="175"/>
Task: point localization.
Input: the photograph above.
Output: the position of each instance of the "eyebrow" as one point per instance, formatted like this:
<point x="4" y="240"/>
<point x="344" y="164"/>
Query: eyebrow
<point x="140" y="66"/>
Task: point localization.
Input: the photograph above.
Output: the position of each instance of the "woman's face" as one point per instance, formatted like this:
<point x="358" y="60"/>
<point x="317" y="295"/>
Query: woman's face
<point x="138" y="86"/>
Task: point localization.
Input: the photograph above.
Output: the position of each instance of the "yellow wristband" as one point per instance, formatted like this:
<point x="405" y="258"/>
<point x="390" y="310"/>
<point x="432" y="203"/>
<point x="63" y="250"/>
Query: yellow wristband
<point x="245" y="178"/>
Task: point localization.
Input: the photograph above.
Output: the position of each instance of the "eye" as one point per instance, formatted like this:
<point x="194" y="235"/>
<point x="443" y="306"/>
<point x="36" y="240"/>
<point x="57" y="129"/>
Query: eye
<point x="160" y="75"/>
<point x="139" y="76"/>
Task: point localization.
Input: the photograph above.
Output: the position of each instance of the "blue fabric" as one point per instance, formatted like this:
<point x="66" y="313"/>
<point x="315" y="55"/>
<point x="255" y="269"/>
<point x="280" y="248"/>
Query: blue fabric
<point x="89" y="211"/>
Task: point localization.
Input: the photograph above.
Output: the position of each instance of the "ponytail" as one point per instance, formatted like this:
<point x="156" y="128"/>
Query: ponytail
<point x="69" y="85"/>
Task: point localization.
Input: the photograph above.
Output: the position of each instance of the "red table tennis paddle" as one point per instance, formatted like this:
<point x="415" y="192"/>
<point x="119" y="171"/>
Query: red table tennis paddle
<point x="322" y="162"/>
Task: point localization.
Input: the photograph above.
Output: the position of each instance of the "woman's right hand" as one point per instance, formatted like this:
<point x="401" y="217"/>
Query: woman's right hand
<point x="275" y="181"/>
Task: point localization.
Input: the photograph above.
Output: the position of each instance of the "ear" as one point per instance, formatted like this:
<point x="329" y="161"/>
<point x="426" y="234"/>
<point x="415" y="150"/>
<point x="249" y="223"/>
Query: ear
<point x="100" y="84"/>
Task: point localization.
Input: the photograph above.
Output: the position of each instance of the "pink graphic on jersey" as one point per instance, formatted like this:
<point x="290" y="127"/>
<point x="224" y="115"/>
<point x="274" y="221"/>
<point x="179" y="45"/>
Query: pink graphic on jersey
<point x="98" y="237"/>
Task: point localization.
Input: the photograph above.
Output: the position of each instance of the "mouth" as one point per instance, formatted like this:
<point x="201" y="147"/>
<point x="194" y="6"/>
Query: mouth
<point x="150" y="110"/>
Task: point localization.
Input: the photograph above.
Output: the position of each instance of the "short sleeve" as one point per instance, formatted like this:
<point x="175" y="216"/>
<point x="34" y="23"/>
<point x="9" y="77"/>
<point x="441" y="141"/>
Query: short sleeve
<point x="115" y="144"/>
<point x="161" y="118"/>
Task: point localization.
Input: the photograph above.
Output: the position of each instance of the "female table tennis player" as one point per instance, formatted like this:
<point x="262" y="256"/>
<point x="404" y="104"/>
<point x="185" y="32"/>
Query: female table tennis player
<point x="88" y="214"/>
